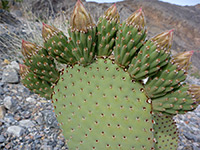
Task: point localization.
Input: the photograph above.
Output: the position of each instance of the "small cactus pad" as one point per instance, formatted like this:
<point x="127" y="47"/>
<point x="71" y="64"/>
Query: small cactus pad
<point x="170" y="76"/>
<point x="166" y="133"/>
<point x="153" y="55"/>
<point x="130" y="37"/>
<point x="178" y="101"/>
<point x="106" y="31"/>
<point x="166" y="80"/>
<point x="83" y="33"/>
<point x="32" y="81"/>
<point x="39" y="62"/>
<point x="58" y="45"/>
<point x="100" y="107"/>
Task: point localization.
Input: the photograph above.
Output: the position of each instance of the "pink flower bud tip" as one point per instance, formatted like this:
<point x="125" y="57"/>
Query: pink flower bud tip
<point x="140" y="10"/>
<point x="170" y="31"/>
<point x="44" y="25"/>
<point x="78" y="2"/>
<point x="191" y="52"/>
<point x="20" y="65"/>
<point x="24" y="42"/>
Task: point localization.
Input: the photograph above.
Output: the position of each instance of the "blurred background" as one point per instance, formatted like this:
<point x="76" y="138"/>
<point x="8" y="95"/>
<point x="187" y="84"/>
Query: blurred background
<point x="22" y="19"/>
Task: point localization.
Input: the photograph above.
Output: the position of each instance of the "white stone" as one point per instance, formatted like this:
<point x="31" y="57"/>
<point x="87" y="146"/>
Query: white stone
<point x="16" y="130"/>
<point x="26" y="123"/>
<point x="13" y="65"/>
<point x="8" y="102"/>
<point x="10" y="75"/>
<point x="31" y="100"/>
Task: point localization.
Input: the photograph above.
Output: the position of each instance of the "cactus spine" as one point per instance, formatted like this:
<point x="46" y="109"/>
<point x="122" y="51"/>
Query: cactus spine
<point x="99" y="98"/>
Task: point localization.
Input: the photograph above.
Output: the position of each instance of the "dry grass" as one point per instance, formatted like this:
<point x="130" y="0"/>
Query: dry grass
<point x="30" y="30"/>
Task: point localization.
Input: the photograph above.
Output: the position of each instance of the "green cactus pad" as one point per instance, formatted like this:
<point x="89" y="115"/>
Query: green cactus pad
<point x="178" y="101"/>
<point x="31" y="81"/>
<point x="106" y="30"/>
<point x="166" y="80"/>
<point x="43" y="66"/>
<point x="100" y="107"/>
<point x="60" y="47"/>
<point x="129" y="39"/>
<point x="166" y="133"/>
<point x="149" y="60"/>
<point x="84" y="44"/>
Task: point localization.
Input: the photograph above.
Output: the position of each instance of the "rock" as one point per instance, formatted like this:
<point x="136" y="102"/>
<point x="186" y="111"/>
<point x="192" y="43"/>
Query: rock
<point x="7" y="18"/>
<point x="9" y="118"/>
<point x="39" y="120"/>
<point x="10" y="75"/>
<point x="46" y="147"/>
<point x="8" y="102"/>
<point x="197" y="138"/>
<point x="31" y="100"/>
<point x="26" y="123"/>
<point x="2" y="111"/>
<point x="13" y="65"/>
<point x="16" y="130"/>
<point x="195" y="147"/>
<point x="2" y="139"/>
<point x="50" y="118"/>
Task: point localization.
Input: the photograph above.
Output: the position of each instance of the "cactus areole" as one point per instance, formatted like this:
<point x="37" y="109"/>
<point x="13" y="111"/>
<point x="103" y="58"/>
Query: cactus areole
<point x="100" y="98"/>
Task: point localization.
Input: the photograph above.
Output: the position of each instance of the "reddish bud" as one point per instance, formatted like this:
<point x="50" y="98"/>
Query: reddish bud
<point x="164" y="40"/>
<point x="29" y="49"/>
<point x="112" y="13"/>
<point x="48" y="31"/>
<point x="137" y="19"/>
<point x="183" y="59"/>
<point x="23" y="69"/>
<point x="80" y="18"/>
<point x="195" y="92"/>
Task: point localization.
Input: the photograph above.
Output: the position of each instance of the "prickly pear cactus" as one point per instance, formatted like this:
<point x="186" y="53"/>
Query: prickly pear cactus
<point x="100" y="97"/>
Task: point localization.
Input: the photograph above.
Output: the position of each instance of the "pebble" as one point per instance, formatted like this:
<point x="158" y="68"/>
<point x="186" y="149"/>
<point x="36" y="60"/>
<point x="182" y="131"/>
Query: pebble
<point x="16" y="130"/>
<point x="26" y="123"/>
<point x="9" y="118"/>
<point x="2" y="139"/>
<point x="31" y="100"/>
<point x="2" y="111"/>
<point x="39" y="120"/>
<point x="14" y="65"/>
<point x="8" y="102"/>
<point x="46" y="147"/>
<point x="10" y="75"/>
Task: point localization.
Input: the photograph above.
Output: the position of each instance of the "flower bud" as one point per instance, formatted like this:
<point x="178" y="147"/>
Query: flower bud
<point x="81" y="19"/>
<point x="29" y="49"/>
<point x="137" y="19"/>
<point x="195" y="92"/>
<point x="183" y="60"/>
<point x="112" y="13"/>
<point x="48" y="31"/>
<point x="163" y="40"/>
<point x="23" y="70"/>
